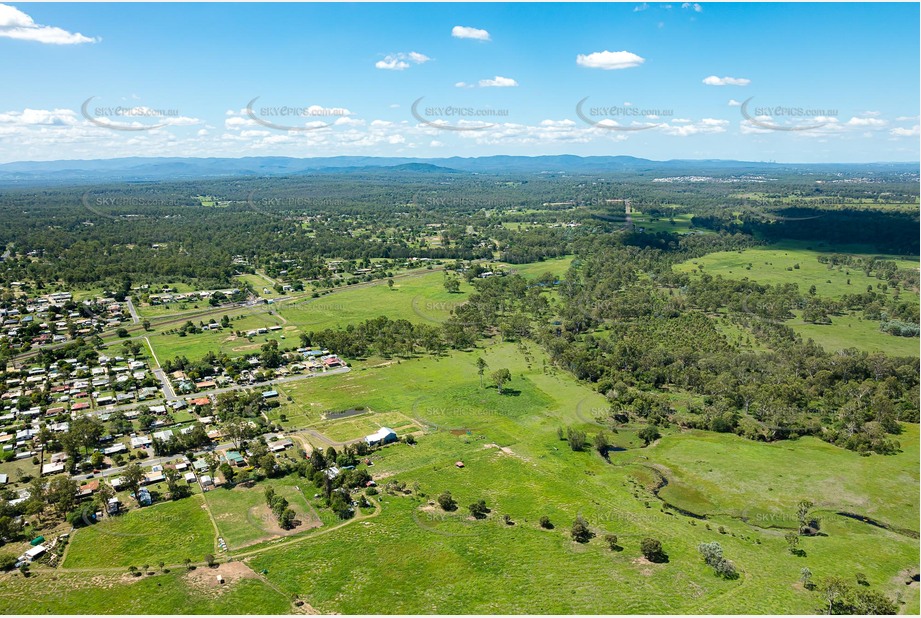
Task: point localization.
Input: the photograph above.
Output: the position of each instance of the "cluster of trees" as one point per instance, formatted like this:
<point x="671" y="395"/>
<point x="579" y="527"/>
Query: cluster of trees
<point x="382" y="336"/>
<point x="336" y="490"/>
<point x="195" y="439"/>
<point x="843" y="598"/>
<point x="279" y="507"/>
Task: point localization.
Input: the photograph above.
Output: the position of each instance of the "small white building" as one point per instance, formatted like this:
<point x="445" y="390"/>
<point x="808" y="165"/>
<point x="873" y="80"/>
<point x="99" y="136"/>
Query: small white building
<point x="33" y="553"/>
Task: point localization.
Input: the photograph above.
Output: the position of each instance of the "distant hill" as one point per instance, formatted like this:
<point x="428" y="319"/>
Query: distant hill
<point x="180" y="168"/>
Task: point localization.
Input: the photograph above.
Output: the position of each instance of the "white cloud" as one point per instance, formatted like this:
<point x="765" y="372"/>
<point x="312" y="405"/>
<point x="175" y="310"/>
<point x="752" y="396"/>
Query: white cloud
<point x="497" y="82"/>
<point x="390" y="63"/>
<point x="704" y="126"/>
<point x="466" y="32"/>
<point x="713" y="80"/>
<point x="55" y="117"/>
<point x="435" y="143"/>
<point x="400" y="61"/>
<point x="914" y="131"/>
<point x="640" y="7"/>
<point x="609" y="60"/>
<point x="734" y="103"/>
<point x="692" y="5"/>
<point x="14" y="24"/>
<point x="866" y="122"/>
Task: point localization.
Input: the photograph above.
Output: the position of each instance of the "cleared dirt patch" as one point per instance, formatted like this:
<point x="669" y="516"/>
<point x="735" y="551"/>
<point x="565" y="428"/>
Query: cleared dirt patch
<point x="206" y="579"/>
<point x="245" y="348"/>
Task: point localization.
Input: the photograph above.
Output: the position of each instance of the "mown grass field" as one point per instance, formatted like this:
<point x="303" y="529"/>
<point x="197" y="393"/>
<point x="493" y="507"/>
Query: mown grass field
<point x="170" y="531"/>
<point x="171" y="593"/>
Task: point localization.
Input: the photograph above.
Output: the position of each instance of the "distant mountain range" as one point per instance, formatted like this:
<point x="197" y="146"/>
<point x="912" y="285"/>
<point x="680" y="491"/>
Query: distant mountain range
<point x="187" y="168"/>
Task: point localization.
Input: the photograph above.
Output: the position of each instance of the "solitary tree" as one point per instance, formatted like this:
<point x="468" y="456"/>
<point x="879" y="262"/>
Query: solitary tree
<point x="478" y="509"/>
<point x="805" y="575"/>
<point x="447" y="502"/>
<point x="580" y="531"/>
<point x="481" y="368"/>
<point x="500" y="377"/>
<point x="452" y="285"/>
<point x="239" y="431"/>
<point x="105" y="493"/>
<point x="602" y="444"/>
<point x="133" y="476"/>
<point x="611" y="540"/>
<point x="832" y="589"/>
<point x="792" y="539"/>
<point x="649" y="434"/>
<point x="652" y="550"/>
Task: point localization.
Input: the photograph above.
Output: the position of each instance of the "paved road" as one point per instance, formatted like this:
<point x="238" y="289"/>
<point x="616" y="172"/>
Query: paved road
<point x="285" y="380"/>
<point x="134" y="314"/>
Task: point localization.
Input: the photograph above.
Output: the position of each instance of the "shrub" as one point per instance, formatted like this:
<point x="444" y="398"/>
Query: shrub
<point x="611" y="540"/>
<point x="580" y="531"/>
<point x="652" y="550"/>
<point x="478" y="509"/>
<point x="649" y="434"/>
<point x="713" y="555"/>
<point x="7" y="562"/>
<point x="447" y="502"/>
<point x="545" y="523"/>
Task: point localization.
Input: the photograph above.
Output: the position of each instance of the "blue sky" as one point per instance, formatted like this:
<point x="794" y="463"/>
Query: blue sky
<point x="823" y="82"/>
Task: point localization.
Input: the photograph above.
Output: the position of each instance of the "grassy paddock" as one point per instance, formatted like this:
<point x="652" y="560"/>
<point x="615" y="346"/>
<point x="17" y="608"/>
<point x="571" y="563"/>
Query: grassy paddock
<point x="169" y="531"/>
